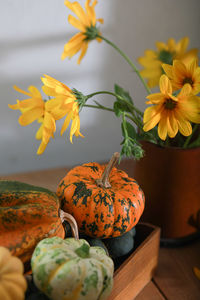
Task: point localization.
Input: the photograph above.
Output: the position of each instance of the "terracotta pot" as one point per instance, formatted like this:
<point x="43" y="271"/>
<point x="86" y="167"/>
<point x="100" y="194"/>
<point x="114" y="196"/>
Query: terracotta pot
<point x="170" y="179"/>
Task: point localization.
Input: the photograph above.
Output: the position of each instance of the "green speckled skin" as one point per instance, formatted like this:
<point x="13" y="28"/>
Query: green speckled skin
<point x="27" y="214"/>
<point x="72" y="270"/>
<point x="101" y="212"/>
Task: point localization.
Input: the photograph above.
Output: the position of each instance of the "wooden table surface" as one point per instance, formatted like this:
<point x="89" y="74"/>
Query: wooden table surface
<point x="174" y="278"/>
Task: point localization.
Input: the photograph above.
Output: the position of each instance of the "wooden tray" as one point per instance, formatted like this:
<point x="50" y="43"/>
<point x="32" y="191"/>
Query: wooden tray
<point x="134" y="271"/>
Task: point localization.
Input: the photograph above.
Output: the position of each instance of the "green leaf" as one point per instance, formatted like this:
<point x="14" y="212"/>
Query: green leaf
<point x="118" y="108"/>
<point x="124" y="94"/>
<point x="130" y="130"/>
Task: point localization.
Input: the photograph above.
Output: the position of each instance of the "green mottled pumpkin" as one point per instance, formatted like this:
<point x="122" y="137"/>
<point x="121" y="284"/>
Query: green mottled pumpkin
<point x="104" y="201"/>
<point x="27" y="215"/>
<point x="71" y="269"/>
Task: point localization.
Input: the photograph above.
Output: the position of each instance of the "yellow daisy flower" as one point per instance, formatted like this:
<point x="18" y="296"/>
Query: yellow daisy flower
<point x="86" y="23"/>
<point x="172" y="114"/>
<point x="152" y="60"/>
<point x="69" y="104"/>
<point x="181" y="73"/>
<point x="32" y="108"/>
<point x="35" y="108"/>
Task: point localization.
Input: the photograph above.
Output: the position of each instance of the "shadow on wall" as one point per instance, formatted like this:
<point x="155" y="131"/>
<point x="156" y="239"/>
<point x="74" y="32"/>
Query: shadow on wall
<point x="133" y="27"/>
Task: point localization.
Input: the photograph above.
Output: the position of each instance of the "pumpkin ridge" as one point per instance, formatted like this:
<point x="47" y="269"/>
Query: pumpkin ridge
<point x="55" y="271"/>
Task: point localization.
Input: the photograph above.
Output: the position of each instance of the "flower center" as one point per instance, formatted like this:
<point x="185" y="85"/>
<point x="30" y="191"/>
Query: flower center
<point x="170" y="104"/>
<point x="91" y="33"/>
<point x="188" y="80"/>
<point x="166" y="57"/>
<point x="80" y="98"/>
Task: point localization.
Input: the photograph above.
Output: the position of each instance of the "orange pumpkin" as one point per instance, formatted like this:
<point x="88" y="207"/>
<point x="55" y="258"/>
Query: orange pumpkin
<point x="28" y="214"/>
<point x="104" y="201"/>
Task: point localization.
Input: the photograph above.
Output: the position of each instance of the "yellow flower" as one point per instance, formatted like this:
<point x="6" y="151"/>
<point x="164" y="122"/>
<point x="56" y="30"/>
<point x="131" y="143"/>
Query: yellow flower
<point x="86" y="23"/>
<point x="35" y="108"/>
<point x="31" y="108"/>
<point x="181" y="73"/>
<point x="152" y="60"/>
<point x="51" y="114"/>
<point x="172" y="114"/>
<point x="68" y="104"/>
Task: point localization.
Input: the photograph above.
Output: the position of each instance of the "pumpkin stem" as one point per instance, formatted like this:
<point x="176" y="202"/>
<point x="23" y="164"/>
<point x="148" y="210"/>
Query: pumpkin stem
<point x="72" y="222"/>
<point x="104" y="180"/>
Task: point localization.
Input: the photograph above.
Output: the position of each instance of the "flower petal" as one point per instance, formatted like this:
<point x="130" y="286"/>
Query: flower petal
<point x="172" y="126"/>
<point x="168" y="70"/>
<point x="78" y="10"/>
<point x="30" y="103"/>
<point x="30" y="116"/>
<point x="151" y="117"/>
<point x="49" y="122"/>
<point x="41" y="148"/>
<point x="185" y="91"/>
<point x="180" y="70"/>
<point x="165" y="85"/>
<point x="186" y="57"/>
<point x="156" y="98"/>
<point x="21" y="91"/>
<point x="73" y="46"/>
<point x="15" y="106"/>
<point x="184" y="126"/>
<point x="73" y="127"/>
<point x="161" y="46"/>
<point x="38" y="135"/>
<point x="56" y="86"/>
<point x="190" y="109"/>
<point x="90" y="11"/>
<point x="151" y="72"/>
<point x="162" y="127"/>
<point x="34" y="92"/>
<point x="76" y="23"/>
<point x="48" y="91"/>
<point x="83" y="52"/>
<point x="182" y="45"/>
<point x="66" y="122"/>
<point x="192" y="66"/>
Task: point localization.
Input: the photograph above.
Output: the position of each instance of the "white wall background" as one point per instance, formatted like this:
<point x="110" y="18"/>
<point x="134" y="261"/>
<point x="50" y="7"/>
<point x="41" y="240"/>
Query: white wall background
<point x="32" y="37"/>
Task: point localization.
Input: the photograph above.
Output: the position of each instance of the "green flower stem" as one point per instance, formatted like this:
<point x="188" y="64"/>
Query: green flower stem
<point x="102" y="92"/>
<point x="190" y="136"/>
<point x="117" y="96"/>
<point x="99" y="107"/>
<point x="124" y="126"/>
<point x="131" y="106"/>
<point x="133" y="119"/>
<point x="110" y="109"/>
<point x="129" y="62"/>
<point x="136" y="121"/>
